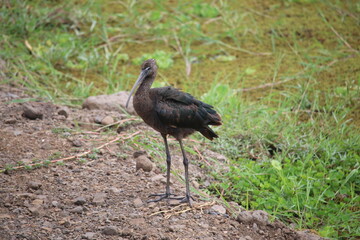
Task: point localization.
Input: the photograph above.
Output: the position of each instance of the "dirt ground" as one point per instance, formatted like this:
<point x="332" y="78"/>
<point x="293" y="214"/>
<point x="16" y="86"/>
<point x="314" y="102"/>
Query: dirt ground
<point x="102" y="195"/>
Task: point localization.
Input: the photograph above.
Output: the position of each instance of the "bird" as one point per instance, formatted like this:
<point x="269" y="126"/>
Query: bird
<point x="173" y="112"/>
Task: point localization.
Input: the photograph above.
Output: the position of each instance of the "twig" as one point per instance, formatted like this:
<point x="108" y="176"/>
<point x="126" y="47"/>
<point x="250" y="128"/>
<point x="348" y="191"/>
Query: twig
<point x="336" y="33"/>
<point x="266" y="85"/>
<point x="173" y="211"/>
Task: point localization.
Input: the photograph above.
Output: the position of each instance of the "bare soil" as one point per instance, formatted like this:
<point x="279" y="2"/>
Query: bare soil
<point x="102" y="195"/>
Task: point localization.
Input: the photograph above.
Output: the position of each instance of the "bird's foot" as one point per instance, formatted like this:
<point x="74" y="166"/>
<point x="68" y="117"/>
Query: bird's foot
<point x="161" y="196"/>
<point x="187" y="199"/>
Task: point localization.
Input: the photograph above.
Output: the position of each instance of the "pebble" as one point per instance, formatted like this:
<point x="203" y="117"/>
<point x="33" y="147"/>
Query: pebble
<point x="34" y="185"/>
<point x="10" y="121"/>
<point x="99" y="198"/>
<point x="144" y="163"/>
<point x="138" y="202"/>
<point x="219" y="209"/>
<point x="258" y="216"/>
<point x="89" y="236"/>
<point x="55" y="203"/>
<point x="18" y="132"/>
<point x="32" y="113"/>
<point x="78" y="209"/>
<point x="110" y="230"/>
<point x="107" y="120"/>
<point x="79" y="200"/>
<point x="157" y="178"/>
<point x="64" y="111"/>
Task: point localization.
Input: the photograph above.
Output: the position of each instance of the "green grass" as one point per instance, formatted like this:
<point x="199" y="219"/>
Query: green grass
<point x="293" y="144"/>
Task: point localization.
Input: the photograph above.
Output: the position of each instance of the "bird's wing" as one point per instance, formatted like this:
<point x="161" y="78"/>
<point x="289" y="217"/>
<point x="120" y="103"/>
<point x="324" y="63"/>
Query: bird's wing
<point x="179" y="109"/>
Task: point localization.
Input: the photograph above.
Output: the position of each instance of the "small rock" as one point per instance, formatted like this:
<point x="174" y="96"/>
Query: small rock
<point x="89" y="236"/>
<point x="36" y="210"/>
<point x="138" y="202"/>
<point x="258" y="216"/>
<point x="64" y="111"/>
<point x="255" y="227"/>
<point x="34" y="185"/>
<point x="144" y="163"/>
<point x="55" y="203"/>
<point x="219" y="209"/>
<point x="10" y="121"/>
<point x="138" y="153"/>
<point x="79" y="200"/>
<point x="195" y="184"/>
<point x="307" y="235"/>
<point x="32" y="113"/>
<point x="112" y="102"/>
<point x="107" y="120"/>
<point x="99" y="198"/>
<point x="110" y="230"/>
<point x="78" y="209"/>
<point x="157" y="178"/>
<point x="175" y="228"/>
<point x="18" y="132"/>
<point x="37" y="202"/>
<point x="261" y="217"/>
<point x="137" y="221"/>
<point x="77" y="143"/>
<point x="114" y="190"/>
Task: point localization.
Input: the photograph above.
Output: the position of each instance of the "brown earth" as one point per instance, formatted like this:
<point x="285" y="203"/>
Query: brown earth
<point x="102" y="195"/>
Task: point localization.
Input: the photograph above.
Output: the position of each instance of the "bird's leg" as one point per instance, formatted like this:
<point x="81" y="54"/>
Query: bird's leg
<point x="167" y="193"/>
<point x="186" y="166"/>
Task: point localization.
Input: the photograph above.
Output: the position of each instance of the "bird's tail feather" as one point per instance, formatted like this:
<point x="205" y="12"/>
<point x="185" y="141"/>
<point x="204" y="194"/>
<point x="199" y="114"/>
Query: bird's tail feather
<point x="208" y="133"/>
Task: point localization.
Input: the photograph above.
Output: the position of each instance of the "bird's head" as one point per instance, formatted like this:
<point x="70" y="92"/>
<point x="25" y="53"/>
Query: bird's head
<point x="148" y="72"/>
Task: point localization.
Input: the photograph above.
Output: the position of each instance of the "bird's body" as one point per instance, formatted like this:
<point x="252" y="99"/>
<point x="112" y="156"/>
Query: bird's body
<point x="172" y="112"/>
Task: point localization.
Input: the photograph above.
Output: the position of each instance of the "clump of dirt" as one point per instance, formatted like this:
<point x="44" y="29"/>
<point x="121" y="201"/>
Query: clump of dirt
<point x="100" y="194"/>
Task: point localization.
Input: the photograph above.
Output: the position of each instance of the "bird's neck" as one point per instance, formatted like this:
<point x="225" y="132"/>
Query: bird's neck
<point x="144" y="88"/>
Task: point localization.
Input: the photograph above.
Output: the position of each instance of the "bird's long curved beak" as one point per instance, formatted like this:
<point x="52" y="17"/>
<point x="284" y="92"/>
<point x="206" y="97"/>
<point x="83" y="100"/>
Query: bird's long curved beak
<point x="137" y="83"/>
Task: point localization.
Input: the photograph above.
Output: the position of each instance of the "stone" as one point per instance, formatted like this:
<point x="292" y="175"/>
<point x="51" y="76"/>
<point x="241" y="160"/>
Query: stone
<point x="32" y="113"/>
<point x="219" y="209"/>
<point x="79" y="200"/>
<point x="55" y="204"/>
<point x="138" y="202"/>
<point x="110" y="230"/>
<point x="10" y="121"/>
<point x="89" y="236"/>
<point x="258" y="216"/>
<point x="64" y="111"/>
<point x="34" y="185"/>
<point x="157" y="178"/>
<point x="138" y="154"/>
<point x="261" y="217"/>
<point x="78" y="209"/>
<point x="77" y="143"/>
<point x="36" y="210"/>
<point x="113" y="102"/>
<point x="17" y="132"/>
<point x="107" y="120"/>
<point x="144" y="163"/>
<point x="99" y="198"/>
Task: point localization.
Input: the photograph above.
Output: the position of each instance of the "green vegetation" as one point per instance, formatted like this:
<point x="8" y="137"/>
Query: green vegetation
<point x="284" y="74"/>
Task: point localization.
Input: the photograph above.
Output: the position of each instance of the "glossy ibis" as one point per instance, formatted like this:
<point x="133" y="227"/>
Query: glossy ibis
<point x="171" y="112"/>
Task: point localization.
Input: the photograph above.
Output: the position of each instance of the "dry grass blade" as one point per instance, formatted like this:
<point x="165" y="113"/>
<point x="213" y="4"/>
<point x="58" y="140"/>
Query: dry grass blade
<point x="174" y="211"/>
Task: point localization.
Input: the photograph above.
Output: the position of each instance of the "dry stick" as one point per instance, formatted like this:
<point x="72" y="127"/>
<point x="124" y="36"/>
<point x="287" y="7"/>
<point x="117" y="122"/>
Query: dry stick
<point x="81" y="154"/>
<point x="336" y="33"/>
<point x="200" y="206"/>
<point x="264" y="85"/>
